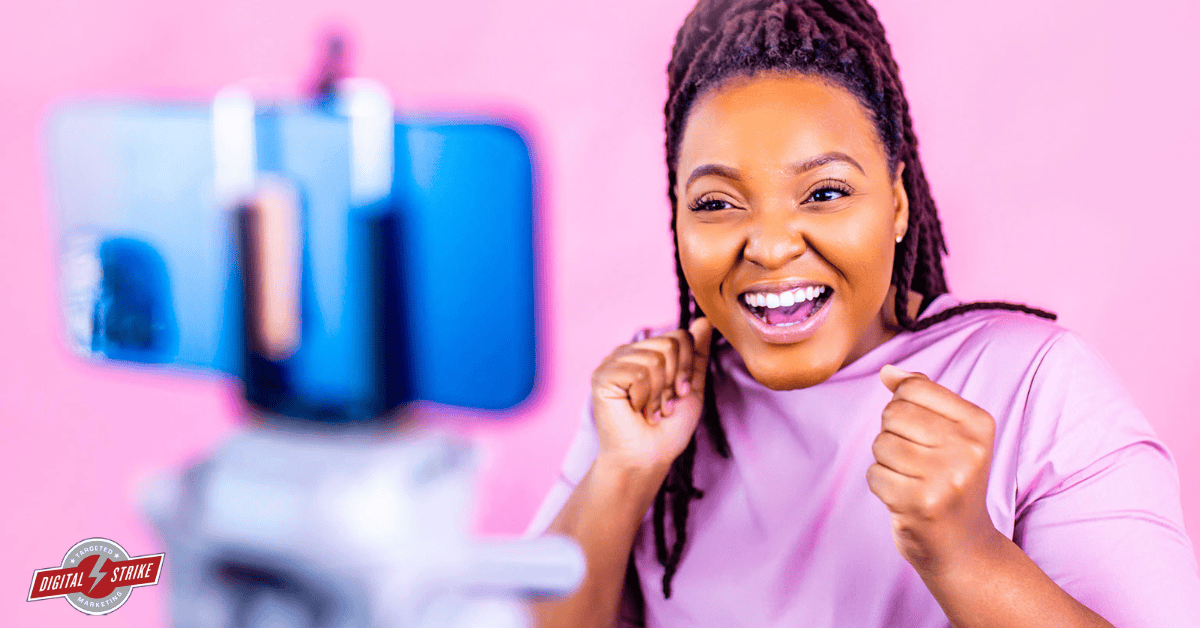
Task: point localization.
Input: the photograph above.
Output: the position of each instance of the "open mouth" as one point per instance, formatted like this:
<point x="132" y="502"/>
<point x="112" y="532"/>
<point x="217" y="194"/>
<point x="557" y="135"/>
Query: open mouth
<point x="787" y="308"/>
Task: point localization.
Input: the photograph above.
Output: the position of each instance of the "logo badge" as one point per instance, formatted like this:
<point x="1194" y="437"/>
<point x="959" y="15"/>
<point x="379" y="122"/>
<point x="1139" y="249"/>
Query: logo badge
<point x="96" y="576"/>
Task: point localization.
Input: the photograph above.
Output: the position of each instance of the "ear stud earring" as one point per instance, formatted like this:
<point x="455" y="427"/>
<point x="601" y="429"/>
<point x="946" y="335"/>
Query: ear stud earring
<point x="899" y="238"/>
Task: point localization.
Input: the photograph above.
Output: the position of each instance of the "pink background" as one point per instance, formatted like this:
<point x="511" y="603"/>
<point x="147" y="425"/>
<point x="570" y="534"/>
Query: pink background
<point x="1060" y="138"/>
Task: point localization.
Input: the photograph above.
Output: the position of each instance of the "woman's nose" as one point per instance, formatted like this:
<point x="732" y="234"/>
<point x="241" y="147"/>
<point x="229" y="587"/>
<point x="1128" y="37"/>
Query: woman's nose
<point x="774" y="239"/>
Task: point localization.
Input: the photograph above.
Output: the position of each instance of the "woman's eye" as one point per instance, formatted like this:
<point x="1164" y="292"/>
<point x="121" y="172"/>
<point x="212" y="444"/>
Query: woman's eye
<point x="708" y="205"/>
<point x="826" y="194"/>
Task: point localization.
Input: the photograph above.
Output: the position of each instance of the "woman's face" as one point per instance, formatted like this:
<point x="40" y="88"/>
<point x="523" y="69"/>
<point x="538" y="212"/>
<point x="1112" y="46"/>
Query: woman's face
<point x="787" y="223"/>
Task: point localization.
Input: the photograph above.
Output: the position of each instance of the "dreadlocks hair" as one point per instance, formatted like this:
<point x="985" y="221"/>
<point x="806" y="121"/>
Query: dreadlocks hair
<point x="841" y="41"/>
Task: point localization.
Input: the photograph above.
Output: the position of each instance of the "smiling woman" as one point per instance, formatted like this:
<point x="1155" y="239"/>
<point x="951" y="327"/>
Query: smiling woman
<point x="789" y="188"/>
<point x="1009" y="479"/>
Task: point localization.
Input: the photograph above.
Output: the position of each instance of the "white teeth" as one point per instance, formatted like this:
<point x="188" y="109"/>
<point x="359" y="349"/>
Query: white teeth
<point x="783" y="299"/>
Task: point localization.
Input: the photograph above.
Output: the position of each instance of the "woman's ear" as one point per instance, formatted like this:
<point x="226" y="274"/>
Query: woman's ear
<point x="900" y="198"/>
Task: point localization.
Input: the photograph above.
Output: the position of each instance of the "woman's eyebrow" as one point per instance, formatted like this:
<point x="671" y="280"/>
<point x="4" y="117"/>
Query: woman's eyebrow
<point x="801" y="167"/>
<point x="797" y="168"/>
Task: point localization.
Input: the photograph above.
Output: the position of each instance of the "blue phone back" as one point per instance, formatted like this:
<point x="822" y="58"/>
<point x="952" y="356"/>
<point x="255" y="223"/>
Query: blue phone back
<point x="149" y="264"/>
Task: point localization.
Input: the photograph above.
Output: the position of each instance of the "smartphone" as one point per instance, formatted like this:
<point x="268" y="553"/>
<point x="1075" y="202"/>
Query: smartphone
<point x="409" y="257"/>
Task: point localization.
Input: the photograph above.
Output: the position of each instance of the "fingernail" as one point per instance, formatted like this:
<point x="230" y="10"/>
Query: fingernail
<point x="897" y="370"/>
<point x="669" y="407"/>
<point x="684" y="388"/>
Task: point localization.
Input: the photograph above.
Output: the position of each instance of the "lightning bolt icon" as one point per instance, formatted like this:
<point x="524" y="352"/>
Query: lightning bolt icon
<point x="96" y="573"/>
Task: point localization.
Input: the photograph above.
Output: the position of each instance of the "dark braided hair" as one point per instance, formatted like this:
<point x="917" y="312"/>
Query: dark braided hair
<point x="841" y="41"/>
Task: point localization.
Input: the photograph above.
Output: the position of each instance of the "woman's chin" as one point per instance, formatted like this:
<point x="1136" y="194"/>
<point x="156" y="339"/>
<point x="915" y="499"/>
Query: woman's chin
<point x="781" y="373"/>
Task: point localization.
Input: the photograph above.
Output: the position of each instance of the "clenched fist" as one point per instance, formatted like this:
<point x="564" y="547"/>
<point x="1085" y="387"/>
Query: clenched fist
<point x="932" y="459"/>
<point x="647" y="397"/>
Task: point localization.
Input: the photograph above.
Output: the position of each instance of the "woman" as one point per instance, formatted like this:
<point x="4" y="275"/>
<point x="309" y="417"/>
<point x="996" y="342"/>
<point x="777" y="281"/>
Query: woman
<point x="1008" y="479"/>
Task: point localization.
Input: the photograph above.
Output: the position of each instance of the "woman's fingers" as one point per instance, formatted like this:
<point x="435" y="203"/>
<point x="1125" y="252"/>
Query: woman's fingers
<point x="640" y="383"/>
<point x="892" y="488"/>
<point x="650" y="369"/>
<point x="677" y="363"/>
<point x="919" y="389"/>
<point x="622" y="380"/>
<point x="915" y="423"/>
<point x="647" y="372"/>
<point x="668" y="345"/>
<point x="901" y="455"/>
<point x="932" y="459"/>
<point x="685" y="358"/>
<point x="654" y="373"/>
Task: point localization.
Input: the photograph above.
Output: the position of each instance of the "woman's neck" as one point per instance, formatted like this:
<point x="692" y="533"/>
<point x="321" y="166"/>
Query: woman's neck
<point x="885" y="326"/>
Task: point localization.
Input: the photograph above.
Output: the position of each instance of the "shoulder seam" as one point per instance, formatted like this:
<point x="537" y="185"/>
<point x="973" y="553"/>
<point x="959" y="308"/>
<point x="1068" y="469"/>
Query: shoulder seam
<point x="1045" y="351"/>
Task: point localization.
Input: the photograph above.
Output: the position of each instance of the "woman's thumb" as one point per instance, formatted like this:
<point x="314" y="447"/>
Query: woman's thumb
<point x="701" y="331"/>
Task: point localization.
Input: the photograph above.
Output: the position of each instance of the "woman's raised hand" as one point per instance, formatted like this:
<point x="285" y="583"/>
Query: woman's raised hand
<point x="646" y="401"/>
<point x="932" y="460"/>
<point x="647" y="397"/>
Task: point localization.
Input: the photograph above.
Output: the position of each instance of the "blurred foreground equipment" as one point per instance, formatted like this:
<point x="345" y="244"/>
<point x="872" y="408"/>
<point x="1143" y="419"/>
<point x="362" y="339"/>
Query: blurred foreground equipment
<point x="342" y="264"/>
<point x="282" y="528"/>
